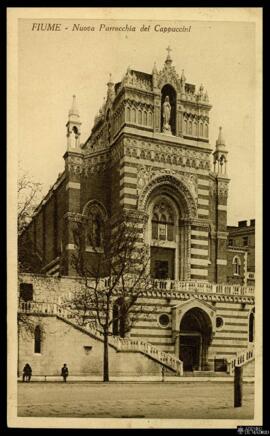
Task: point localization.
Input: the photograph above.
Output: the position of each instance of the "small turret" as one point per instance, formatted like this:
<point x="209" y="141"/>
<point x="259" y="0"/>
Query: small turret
<point x="73" y="126"/>
<point x="220" y="155"/>
<point x="154" y="75"/>
<point x="110" y="89"/>
<point x="182" y="83"/>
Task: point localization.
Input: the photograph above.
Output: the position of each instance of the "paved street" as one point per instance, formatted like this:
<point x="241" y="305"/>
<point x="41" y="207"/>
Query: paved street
<point x="130" y="400"/>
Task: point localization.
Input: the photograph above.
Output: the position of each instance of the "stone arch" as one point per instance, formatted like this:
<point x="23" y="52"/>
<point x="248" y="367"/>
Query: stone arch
<point x="176" y="188"/>
<point x="94" y="216"/>
<point x="195" y="323"/>
<point x="97" y="204"/>
<point x="180" y="310"/>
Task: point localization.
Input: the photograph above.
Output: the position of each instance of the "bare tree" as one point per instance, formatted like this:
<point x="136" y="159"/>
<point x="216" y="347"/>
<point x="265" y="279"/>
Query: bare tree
<point x="29" y="194"/>
<point x="113" y="279"/>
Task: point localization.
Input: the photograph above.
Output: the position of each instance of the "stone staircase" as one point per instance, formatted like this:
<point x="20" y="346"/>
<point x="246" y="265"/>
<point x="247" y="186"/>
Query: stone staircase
<point x="242" y="358"/>
<point x="119" y="344"/>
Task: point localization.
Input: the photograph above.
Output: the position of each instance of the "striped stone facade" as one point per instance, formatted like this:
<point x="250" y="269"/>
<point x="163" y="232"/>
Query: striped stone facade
<point x="229" y="307"/>
<point x="132" y="162"/>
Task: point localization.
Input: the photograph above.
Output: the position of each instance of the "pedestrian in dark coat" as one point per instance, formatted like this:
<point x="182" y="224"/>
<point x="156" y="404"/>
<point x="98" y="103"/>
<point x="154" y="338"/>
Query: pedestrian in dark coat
<point x="27" y="373"/>
<point x="64" y="372"/>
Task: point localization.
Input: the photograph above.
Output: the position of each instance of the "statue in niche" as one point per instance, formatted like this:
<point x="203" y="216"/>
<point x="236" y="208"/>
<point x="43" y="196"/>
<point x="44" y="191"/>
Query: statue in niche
<point x="166" y="115"/>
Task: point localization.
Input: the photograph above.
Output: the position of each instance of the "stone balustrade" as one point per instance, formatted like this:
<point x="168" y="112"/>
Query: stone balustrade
<point x="120" y="344"/>
<point x="241" y="359"/>
<point x="204" y="287"/>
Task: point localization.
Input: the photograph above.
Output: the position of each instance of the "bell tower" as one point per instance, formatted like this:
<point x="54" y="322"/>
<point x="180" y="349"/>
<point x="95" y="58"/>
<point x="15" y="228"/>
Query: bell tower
<point x="222" y="183"/>
<point x="73" y="170"/>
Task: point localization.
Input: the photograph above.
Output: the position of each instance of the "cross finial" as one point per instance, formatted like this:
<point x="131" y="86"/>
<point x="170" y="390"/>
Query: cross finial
<point x="168" y="50"/>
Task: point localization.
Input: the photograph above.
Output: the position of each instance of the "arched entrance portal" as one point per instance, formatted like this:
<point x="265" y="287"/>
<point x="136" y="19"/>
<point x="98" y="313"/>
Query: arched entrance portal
<point x="195" y="337"/>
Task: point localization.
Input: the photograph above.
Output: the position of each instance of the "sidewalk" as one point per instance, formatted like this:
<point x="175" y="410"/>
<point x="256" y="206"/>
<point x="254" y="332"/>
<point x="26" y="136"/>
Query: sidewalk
<point x="145" y="379"/>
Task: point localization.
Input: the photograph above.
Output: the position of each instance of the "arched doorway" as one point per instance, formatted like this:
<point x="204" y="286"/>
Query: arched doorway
<point x="195" y="337"/>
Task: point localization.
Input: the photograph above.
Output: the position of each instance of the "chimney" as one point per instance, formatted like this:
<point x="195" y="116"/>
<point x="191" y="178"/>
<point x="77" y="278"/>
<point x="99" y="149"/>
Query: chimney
<point x="242" y="223"/>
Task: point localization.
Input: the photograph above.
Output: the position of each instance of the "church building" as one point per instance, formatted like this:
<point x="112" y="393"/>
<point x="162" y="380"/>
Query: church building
<point x="148" y="152"/>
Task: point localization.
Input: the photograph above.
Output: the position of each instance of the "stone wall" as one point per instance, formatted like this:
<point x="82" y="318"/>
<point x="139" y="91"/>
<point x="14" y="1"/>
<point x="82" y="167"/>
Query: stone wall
<point x="62" y="343"/>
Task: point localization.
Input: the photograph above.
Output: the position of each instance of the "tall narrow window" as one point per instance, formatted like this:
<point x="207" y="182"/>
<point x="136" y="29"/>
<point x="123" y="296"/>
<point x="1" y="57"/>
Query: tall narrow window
<point x="251" y="327"/>
<point x="236" y="266"/>
<point x="140" y="117"/>
<point x="155" y="226"/>
<point x="128" y="114"/>
<point x="185" y="127"/>
<point x="133" y="115"/>
<point x="201" y="129"/>
<point x="37" y="339"/>
<point x="144" y="118"/>
<point x="97" y="231"/>
<point x="94" y="228"/>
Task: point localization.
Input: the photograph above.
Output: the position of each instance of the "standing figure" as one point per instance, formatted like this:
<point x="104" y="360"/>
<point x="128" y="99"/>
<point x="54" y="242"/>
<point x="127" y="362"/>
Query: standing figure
<point x="64" y="372"/>
<point x="27" y="373"/>
<point x="166" y="115"/>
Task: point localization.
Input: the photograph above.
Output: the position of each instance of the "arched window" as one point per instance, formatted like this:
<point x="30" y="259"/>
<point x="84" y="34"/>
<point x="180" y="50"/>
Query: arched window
<point x="195" y="128"/>
<point x="37" y="339"/>
<point x="251" y="327"/>
<point x="145" y="118"/>
<point x="190" y="127"/>
<point x="206" y="130"/>
<point x="95" y="216"/>
<point x="133" y="115"/>
<point x="155" y="226"/>
<point x="201" y="129"/>
<point x="150" y="119"/>
<point x="128" y="114"/>
<point x="140" y="117"/>
<point x="163" y="222"/>
<point x="236" y="266"/>
<point x="94" y="229"/>
<point x="185" y="126"/>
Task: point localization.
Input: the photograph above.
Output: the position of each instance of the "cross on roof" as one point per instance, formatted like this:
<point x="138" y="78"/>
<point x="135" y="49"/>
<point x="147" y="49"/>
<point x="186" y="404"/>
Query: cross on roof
<point x="168" y="50"/>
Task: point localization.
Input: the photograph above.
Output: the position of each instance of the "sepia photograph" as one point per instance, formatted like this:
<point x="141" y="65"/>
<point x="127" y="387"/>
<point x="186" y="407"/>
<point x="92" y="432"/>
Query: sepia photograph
<point x="134" y="217"/>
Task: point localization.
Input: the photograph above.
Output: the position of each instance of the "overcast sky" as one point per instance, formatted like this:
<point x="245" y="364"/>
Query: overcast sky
<point x="52" y="66"/>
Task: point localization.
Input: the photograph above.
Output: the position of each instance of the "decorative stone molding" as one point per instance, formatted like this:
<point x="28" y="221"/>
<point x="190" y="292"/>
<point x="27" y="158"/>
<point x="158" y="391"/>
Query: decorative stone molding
<point x="132" y="80"/>
<point x="222" y="188"/>
<point x="166" y="154"/>
<point x="147" y="173"/>
<point x="180" y="184"/>
<point x="180" y="309"/>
